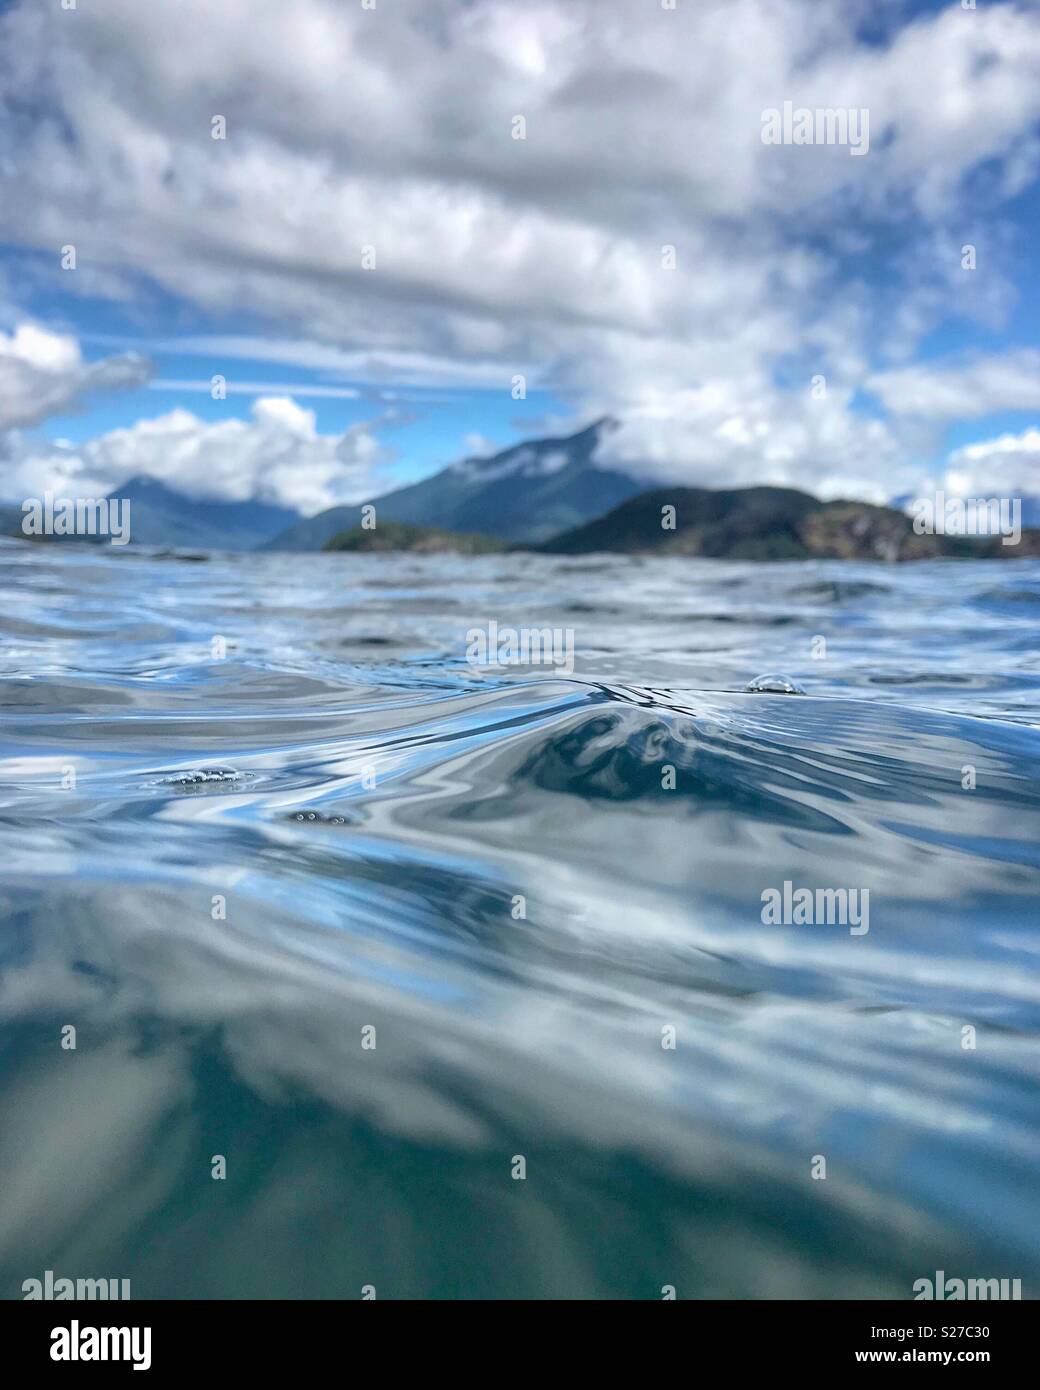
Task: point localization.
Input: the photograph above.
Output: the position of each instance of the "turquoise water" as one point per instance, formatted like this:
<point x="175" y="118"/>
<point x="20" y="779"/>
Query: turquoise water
<point x="221" y="870"/>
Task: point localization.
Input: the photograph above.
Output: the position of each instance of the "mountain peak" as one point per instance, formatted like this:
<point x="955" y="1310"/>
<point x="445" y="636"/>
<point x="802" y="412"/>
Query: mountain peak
<point x="606" y="424"/>
<point x="526" y="492"/>
<point x="533" y="457"/>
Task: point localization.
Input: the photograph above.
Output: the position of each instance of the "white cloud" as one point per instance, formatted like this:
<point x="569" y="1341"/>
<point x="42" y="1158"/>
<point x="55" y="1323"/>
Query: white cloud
<point x="1008" y="466"/>
<point x="478" y="445"/>
<point x="373" y="366"/>
<point x="46" y="352"/>
<point x="276" y="456"/>
<point x="42" y="374"/>
<point x="738" y="432"/>
<point x="963" y="389"/>
<point x="257" y="388"/>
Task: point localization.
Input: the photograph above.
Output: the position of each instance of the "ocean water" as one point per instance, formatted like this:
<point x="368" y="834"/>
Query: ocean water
<point x="226" y="862"/>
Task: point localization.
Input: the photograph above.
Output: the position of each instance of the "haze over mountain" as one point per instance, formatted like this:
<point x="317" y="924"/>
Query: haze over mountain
<point x="528" y="492"/>
<point x="159" y="515"/>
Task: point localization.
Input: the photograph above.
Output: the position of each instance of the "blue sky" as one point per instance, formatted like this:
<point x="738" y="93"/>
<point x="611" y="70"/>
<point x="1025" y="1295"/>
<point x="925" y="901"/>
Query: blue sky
<point x="393" y="132"/>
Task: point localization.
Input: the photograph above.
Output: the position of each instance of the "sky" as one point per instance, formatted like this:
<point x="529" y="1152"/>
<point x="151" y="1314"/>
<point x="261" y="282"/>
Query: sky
<point x="428" y="229"/>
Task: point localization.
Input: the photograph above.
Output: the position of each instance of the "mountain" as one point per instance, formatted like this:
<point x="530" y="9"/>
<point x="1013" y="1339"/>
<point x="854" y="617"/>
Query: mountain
<point x="770" y="523"/>
<point x="11" y="517"/>
<point x="422" y="540"/>
<point x="159" y="515"/>
<point x="526" y="493"/>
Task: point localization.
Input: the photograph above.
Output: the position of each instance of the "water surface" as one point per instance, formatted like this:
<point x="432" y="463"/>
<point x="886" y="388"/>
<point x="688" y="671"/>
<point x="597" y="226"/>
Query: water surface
<point x="222" y="870"/>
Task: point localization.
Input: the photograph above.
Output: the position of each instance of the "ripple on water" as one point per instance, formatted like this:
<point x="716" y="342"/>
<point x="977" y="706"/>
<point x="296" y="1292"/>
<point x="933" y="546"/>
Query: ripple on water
<point x="532" y="880"/>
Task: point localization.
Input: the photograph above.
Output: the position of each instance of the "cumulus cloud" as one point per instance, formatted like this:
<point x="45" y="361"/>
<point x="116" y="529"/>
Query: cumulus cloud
<point x="741" y="431"/>
<point x="277" y="455"/>
<point x="42" y="374"/>
<point x="1008" y="466"/>
<point x="392" y="129"/>
<point x="963" y="389"/>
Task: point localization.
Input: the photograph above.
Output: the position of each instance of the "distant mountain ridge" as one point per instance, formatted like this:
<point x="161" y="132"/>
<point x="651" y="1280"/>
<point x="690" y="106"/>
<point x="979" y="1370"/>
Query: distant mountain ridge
<point x="159" y="515"/>
<point x="770" y="523"/>
<point x="551" y="494"/>
<point x="525" y="493"/>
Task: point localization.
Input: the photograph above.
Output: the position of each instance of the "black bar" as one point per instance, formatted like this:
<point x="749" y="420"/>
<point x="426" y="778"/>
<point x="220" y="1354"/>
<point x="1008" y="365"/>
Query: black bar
<point x="271" y="1337"/>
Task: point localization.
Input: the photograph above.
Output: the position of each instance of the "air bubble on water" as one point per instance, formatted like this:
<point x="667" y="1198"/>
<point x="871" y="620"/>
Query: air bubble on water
<point x="198" y="776"/>
<point x="772" y="685"/>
